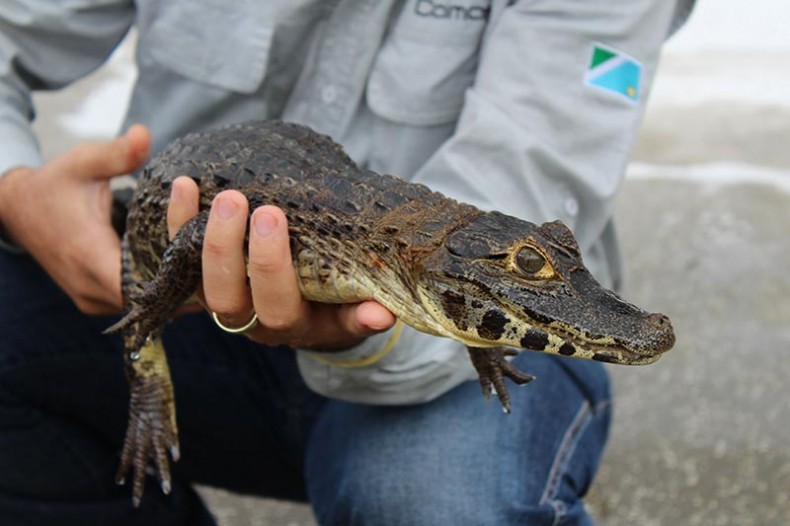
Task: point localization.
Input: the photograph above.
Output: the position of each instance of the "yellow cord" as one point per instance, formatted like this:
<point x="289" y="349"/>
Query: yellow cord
<point x="367" y="360"/>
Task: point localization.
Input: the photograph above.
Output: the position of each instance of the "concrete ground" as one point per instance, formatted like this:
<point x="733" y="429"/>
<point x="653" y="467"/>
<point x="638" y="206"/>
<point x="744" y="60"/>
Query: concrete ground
<point x="702" y="436"/>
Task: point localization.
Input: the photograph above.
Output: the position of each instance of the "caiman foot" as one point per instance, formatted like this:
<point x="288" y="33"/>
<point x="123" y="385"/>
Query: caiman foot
<point x="492" y="367"/>
<point x="150" y="435"/>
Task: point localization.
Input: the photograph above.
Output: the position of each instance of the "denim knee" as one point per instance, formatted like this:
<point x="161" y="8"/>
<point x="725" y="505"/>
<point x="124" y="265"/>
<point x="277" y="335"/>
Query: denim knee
<point x="459" y="461"/>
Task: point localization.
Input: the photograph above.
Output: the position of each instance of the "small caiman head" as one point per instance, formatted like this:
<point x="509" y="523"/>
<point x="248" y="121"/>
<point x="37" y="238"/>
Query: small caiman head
<point x="502" y="281"/>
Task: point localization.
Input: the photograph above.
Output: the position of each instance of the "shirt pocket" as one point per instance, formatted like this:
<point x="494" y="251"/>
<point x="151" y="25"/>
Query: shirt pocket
<point x="213" y="43"/>
<point x="427" y="61"/>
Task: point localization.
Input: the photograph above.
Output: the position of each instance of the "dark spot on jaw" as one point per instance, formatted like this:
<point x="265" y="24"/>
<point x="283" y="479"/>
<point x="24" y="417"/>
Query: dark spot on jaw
<point x="454" y="305"/>
<point x="535" y="340"/>
<point x="567" y="349"/>
<point x="540" y="318"/>
<point x="492" y="325"/>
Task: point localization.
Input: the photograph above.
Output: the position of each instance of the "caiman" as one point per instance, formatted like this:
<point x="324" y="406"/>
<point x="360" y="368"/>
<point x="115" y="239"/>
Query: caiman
<point x="491" y="281"/>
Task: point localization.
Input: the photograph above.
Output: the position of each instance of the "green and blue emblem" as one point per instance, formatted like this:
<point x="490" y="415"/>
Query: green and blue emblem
<point x="613" y="71"/>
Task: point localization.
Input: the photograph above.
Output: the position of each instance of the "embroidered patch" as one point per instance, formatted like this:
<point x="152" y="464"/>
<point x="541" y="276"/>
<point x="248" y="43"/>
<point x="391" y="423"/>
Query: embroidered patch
<point x="613" y="71"/>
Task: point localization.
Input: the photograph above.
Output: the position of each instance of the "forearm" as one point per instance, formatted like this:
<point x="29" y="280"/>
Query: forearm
<point x="46" y="45"/>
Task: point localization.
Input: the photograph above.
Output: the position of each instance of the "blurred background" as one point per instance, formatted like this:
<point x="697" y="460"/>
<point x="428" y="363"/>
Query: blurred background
<point x="703" y="436"/>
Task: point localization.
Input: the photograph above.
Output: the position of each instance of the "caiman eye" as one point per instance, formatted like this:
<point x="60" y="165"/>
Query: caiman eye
<point x="530" y="261"/>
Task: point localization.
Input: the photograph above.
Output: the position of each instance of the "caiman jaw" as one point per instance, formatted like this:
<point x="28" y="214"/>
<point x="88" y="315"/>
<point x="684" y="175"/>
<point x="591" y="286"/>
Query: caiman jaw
<point x="557" y="337"/>
<point x="554" y="337"/>
<point x="607" y="350"/>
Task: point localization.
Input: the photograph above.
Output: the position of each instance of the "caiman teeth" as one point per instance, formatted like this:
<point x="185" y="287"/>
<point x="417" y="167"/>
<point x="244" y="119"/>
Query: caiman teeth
<point x="624" y="357"/>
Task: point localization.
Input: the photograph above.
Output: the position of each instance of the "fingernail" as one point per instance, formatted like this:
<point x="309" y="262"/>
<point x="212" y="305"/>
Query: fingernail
<point x="226" y="208"/>
<point x="264" y="223"/>
<point x="175" y="192"/>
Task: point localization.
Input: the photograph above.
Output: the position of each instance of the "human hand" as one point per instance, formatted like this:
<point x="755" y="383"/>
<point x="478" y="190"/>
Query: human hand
<point x="60" y="214"/>
<point x="272" y="291"/>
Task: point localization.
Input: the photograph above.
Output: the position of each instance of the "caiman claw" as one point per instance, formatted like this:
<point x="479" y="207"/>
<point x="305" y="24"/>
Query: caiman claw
<point x="492" y="367"/>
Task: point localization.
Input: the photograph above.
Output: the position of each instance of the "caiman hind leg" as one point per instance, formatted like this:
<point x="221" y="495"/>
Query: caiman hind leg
<point x="152" y="429"/>
<point x="151" y="304"/>
<point x="492" y="366"/>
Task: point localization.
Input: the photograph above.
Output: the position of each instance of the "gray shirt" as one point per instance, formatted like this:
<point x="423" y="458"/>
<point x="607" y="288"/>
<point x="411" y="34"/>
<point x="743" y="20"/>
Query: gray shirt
<point x="527" y="107"/>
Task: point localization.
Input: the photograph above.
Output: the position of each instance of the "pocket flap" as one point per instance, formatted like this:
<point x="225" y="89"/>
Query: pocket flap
<point x="427" y="62"/>
<point x="213" y="43"/>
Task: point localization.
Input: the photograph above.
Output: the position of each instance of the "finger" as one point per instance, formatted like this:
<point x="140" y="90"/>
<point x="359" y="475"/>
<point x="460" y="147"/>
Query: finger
<point x="365" y="319"/>
<point x="275" y="290"/>
<point x="339" y="327"/>
<point x="183" y="206"/>
<point x="108" y="159"/>
<point x="224" y="265"/>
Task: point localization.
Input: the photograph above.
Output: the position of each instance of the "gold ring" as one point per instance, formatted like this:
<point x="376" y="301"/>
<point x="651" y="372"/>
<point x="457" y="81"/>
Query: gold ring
<point x="236" y="330"/>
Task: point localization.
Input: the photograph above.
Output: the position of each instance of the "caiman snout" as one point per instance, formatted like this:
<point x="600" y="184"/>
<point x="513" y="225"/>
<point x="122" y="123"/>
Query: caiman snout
<point x="660" y="336"/>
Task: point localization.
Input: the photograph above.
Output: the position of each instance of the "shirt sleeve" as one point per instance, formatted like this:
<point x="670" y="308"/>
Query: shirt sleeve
<point x="46" y="45"/>
<point x="544" y="134"/>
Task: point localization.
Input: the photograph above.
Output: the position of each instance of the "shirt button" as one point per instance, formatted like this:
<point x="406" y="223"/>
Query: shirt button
<point x="328" y="94"/>
<point x="571" y="206"/>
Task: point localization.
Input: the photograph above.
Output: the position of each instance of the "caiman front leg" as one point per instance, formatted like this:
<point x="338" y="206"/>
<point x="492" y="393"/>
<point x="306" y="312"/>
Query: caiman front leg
<point x="152" y="430"/>
<point x="492" y="366"/>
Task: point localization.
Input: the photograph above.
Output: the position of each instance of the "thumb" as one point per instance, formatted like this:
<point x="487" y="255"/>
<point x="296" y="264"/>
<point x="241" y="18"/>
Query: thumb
<point x="108" y="159"/>
<point x="366" y="318"/>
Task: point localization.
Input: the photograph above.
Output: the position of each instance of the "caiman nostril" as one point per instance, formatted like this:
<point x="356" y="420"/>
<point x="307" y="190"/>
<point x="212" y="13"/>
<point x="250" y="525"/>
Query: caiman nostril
<point x="659" y="321"/>
<point x="664" y="334"/>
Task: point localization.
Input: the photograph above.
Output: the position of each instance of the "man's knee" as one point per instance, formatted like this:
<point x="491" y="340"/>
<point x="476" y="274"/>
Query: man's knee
<point x="459" y="461"/>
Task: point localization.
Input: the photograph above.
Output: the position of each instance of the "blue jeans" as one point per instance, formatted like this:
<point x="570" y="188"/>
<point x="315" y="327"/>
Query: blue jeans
<point x="249" y="424"/>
